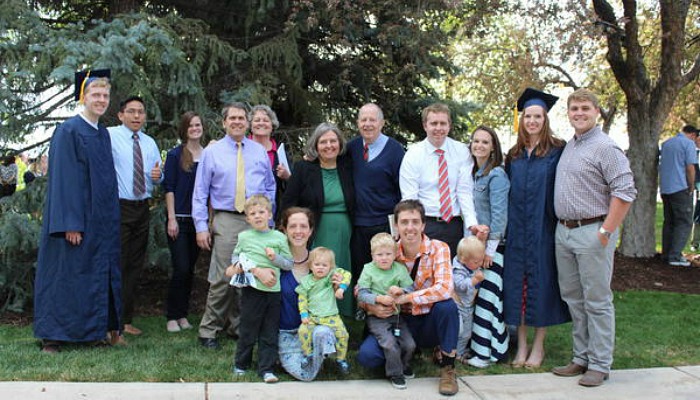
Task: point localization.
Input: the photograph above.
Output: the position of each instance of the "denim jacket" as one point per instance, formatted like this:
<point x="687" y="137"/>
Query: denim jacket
<point x="491" y="204"/>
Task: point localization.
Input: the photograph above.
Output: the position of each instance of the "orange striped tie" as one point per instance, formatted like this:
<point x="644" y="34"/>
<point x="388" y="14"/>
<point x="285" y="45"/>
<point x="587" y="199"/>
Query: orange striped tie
<point x="444" y="187"/>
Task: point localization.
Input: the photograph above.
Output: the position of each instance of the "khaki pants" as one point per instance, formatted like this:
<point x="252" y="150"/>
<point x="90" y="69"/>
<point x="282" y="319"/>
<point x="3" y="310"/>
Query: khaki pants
<point x="585" y="270"/>
<point x="223" y="301"/>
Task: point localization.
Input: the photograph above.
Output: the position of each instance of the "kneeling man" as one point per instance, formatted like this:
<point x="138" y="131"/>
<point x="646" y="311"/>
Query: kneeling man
<point x="429" y="310"/>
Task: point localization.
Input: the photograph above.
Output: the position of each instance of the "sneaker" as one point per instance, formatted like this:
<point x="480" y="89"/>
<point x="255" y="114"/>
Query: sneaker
<point x="408" y="373"/>
<point x="238" y="371"/>
<point x="398" y="382"/>
<point x="269" y="377"/>
<point x="448" y="381"/>
<point x="172" y="326"/>
<point x="478" y="362"/>
<point x="679" y="263"/>
<point x="343" y="367"/>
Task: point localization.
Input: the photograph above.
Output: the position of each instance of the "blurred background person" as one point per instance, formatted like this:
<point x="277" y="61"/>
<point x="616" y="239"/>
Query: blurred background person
<point x="8" y="176"/>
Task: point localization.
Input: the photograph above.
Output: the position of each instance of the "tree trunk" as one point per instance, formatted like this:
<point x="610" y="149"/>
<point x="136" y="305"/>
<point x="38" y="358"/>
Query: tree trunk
<point x="638" y="234"/>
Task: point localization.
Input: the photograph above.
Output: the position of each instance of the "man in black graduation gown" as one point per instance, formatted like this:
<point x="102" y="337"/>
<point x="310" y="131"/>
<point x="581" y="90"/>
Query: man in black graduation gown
<point x="78" y="285"/>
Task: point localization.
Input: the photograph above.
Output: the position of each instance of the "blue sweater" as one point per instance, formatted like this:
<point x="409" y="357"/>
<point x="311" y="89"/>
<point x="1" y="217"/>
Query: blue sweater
<point x="179" y="182"/>
<point x="376" y="182"/>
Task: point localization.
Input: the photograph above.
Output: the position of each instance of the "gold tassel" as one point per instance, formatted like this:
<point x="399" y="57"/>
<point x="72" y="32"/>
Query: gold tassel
<point x="81" y="100"/>
<point x="515" y="119"/>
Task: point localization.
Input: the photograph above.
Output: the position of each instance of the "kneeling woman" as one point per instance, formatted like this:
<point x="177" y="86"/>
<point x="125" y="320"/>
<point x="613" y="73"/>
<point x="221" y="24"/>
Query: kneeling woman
<point x="298" y="224"/>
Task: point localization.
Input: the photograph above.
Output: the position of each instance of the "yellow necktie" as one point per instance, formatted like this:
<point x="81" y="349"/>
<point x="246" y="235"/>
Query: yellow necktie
<point x="240" y="179"/>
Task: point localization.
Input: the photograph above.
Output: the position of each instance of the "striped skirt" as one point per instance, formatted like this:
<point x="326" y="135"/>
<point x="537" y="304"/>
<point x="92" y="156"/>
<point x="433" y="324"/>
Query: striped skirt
<point x="489" y="334"/>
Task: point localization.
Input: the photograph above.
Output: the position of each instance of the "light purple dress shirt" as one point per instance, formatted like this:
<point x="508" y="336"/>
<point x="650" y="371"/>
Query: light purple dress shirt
<point x="216" y="178"/>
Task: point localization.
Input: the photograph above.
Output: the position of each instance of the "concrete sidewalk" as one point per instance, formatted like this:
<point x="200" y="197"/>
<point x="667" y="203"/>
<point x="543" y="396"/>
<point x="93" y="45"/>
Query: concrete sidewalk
<point x="639" y="384"/>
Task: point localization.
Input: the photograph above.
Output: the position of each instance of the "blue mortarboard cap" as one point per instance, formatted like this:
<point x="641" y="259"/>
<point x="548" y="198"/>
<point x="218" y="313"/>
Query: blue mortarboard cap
<point x="532" y="97"/>
<point x="83" y="79"/>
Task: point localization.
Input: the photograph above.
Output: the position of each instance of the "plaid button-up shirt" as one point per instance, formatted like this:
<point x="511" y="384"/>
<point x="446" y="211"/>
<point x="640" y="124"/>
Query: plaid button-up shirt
<point x="591" y="169"/>
<point x="433" y="281"/>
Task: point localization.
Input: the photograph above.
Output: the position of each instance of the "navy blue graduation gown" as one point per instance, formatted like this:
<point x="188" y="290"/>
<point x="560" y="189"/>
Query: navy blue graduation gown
<point x="529" y="253"/>
<point x="78" y="288"/>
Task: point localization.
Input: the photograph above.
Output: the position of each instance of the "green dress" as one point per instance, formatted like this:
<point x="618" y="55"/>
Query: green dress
<point x="334" y="230"/>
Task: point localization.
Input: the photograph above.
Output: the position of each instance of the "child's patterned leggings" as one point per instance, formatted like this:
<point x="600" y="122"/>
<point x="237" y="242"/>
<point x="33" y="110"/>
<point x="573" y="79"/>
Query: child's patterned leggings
<point x="334" y="322"/>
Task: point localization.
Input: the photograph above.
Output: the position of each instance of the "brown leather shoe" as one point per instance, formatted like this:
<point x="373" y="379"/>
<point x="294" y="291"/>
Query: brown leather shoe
<point x="115" y="339"/>
<point x="448" y="381"/>
<point x="593" y="378"/>
<point x="572" y="369"/>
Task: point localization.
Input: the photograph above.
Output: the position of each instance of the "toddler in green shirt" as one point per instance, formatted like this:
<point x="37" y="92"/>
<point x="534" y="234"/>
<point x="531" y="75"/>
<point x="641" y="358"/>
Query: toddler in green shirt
<point x="381" y="281"/>
<point x="318" y="306"/>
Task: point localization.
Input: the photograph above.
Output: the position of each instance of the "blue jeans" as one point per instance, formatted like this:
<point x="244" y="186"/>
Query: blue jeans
<point x="183" y="254"/>
<point x="678" y="222"/>
<point x="439" y="327"/>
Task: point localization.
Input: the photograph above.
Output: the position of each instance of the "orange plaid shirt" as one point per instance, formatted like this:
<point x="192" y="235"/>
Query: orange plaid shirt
<point x="433" y="281"/>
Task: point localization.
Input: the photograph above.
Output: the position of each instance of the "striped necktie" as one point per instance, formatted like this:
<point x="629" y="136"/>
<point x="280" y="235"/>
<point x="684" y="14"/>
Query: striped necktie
<point x="444" y="187"/>
<point x="139" y="178"/>
<point x="365" y="153"/>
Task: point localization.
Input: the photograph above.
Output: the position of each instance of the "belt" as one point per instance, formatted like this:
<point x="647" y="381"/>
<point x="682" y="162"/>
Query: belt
<point x="439" y="219"/>
<point x="230" y="212"/>
<point x="577" y="223"/>
<point x="133" y="202"/>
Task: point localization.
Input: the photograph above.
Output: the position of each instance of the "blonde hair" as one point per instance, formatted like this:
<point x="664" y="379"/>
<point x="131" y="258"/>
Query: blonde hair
<point x="470" y="245"/>
<point x="582" y="95"/>
<point x="97" y="82"/>
<point x="381" y="240"/>
<point x="257" y="200"/>
<point x="322" y="253"/>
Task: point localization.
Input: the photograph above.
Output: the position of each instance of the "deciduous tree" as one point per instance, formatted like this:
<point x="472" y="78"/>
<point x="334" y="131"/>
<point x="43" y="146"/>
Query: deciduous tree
<point x="650" y="95"/>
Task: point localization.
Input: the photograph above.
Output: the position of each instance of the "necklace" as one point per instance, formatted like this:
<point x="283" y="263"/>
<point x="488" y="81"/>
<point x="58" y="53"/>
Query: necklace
<point x="304" y="260"/>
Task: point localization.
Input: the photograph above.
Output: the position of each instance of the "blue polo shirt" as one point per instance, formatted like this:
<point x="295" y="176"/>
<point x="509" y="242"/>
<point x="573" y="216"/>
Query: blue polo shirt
<point x="676" y="153"/>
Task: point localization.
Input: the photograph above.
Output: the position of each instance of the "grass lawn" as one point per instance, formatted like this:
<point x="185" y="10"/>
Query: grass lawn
<point x="654" y="329"/>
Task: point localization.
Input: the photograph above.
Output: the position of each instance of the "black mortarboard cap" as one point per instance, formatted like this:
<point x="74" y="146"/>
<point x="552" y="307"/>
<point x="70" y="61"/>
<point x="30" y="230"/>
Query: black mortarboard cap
<point x="83" y="79"/>
<point x="535" y="97"/>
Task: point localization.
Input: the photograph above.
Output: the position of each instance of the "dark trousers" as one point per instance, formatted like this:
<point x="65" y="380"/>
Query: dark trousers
<point x="450" y="233"/>
<point x="360" y="248"/>
<point x="398" y="351"/>
<point x="439" y="327"/>
<point x="183" y="254"/>
<point x="135" y="220"/>
<point x="678" y="222"/>
<point x="260" y="322"/>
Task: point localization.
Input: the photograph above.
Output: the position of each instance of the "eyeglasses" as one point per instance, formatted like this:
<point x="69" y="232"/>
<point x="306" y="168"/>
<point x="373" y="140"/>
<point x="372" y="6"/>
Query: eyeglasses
<point x="136" y="112"/>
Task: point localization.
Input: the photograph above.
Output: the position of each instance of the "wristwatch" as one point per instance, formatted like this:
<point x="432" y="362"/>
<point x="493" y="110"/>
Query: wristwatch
<point x="604" y="232"/>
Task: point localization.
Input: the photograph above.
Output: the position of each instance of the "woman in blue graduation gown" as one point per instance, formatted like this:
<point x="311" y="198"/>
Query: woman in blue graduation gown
<point x="531" y="290"/>
<point x="77" y="286"/>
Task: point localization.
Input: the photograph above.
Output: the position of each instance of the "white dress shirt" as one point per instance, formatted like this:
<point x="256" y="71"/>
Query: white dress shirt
<point x="418" y="178"/>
